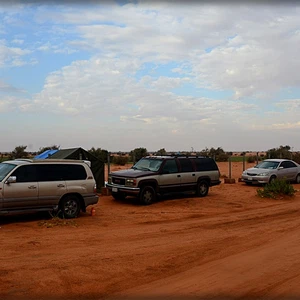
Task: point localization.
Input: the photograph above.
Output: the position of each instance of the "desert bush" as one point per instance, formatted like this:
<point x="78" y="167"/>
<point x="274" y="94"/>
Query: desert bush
<point x="222" y="157"/>
<point x="296" y="157"/>
<point x="99" y="153"/>
<point x="137" y="154"/>
<point x="280" y="152"/>
<point x="251" y="159"/>
<point x="18" y="152"/>
<point x="276" y="188"/>
<point x="120" y="160"/>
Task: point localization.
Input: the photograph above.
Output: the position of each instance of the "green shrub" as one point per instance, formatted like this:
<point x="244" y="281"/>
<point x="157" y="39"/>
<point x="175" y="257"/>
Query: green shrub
<point x="277" y="187"/>
<point x="120" y="160"/>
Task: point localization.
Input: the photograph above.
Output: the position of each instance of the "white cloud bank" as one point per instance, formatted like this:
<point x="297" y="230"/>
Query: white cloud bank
<point x="249" y="50"/>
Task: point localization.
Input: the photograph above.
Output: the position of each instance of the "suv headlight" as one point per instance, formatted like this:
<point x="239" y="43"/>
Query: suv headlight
<point x="130" y="182"/>
<point x="109" y="179"/>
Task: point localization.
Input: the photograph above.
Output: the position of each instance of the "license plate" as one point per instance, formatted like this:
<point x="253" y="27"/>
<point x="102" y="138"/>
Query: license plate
<point x="249" y="178"/>
<point x="115" y="190"/>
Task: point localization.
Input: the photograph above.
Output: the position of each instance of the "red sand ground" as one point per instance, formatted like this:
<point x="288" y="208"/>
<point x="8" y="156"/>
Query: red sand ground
<point x="229" y="244"/>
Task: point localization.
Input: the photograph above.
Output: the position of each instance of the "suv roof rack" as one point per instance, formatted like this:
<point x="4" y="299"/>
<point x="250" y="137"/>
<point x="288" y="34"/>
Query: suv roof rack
<point x="182" y="155"/>
<point x="24" y="159"/>
<point x="51" y="160"/>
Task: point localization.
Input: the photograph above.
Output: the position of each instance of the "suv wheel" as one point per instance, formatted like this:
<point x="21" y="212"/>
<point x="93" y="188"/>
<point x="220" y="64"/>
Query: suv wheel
<point x="147" y="195"/>
<point x="202" y="188"/>
<point x="70" y="207"/>
<point x="118" y="196"/>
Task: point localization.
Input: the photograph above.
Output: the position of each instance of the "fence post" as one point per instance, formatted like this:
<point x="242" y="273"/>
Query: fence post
<point x="257" y="158"/>
<point x="229" y="180"/>
<point x="229" y="160"/>
<point x="108" y="163"/>
<point x="244" y="161"/>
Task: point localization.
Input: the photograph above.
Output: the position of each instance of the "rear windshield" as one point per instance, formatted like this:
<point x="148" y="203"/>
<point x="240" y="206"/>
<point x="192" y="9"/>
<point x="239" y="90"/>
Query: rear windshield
<point x="5" y="169"/>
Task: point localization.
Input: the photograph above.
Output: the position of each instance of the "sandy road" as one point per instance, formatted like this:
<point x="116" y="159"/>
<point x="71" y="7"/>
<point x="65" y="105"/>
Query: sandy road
<point x="230" y="243"/>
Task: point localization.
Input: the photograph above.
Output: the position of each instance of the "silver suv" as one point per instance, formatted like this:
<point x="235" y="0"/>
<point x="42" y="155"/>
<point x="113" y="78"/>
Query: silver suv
<point x="154" y="175"/>
<point x="65" y="186"/>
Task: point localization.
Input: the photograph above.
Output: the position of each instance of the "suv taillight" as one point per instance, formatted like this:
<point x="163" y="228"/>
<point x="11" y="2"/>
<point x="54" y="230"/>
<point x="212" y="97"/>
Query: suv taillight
<point x="95" y="189"/>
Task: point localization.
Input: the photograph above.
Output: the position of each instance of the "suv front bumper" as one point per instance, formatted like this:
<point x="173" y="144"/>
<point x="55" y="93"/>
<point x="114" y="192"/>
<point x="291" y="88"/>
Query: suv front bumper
<point x="121" y="188"/>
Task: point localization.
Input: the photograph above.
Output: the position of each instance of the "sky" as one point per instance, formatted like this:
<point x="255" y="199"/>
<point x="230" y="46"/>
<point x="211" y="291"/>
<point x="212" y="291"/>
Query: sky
<point x="153" y="74"/>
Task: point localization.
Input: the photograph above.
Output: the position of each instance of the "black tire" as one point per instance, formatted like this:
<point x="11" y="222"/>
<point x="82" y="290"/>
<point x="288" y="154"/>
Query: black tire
<point x="202" y="188"/>
<point x="118" y="196"/>
<point x="147" y="195"/>
<point x="272" y="178"/>
<point x="298" y="178"/>
<point x="70" y="207"/>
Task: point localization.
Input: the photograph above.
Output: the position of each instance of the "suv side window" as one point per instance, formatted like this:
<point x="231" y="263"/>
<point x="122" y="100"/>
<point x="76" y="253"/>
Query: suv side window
<point x="74" y="172"/>
<point x="186" y="165"/>
<point x="205" y="164"/>
<point x="60" y="172"/>
<point x="170" y="166"/>
<point x="26" y="173"/>
<point x="50" y="172"/>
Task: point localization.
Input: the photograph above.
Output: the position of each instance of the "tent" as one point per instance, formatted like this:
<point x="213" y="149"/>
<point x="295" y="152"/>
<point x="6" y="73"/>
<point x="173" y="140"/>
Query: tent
<point x="97" y="165"/>
<point x="45" y="154"/>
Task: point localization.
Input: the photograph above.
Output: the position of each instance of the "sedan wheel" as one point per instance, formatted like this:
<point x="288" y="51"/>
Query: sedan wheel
<point x="272" y="179"/>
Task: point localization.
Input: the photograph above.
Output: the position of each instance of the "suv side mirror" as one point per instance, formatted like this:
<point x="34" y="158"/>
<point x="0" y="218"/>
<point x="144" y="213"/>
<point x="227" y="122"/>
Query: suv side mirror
<point x="11" y="179"/>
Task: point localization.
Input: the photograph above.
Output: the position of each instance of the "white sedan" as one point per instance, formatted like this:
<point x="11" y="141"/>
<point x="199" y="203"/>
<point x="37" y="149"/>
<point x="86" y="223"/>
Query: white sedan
<point x="270" y="169"/>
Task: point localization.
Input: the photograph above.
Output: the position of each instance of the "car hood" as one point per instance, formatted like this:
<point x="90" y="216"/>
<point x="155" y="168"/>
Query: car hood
<point x="259" y="170"/>
<point x="131" y="173"/>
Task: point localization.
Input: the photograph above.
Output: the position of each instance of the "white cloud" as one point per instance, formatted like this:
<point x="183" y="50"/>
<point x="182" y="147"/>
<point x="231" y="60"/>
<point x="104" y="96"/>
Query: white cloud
<point x="11" y="55"/>
<point x="13" y="104"/>
<point x="17" y="41"/>
<point x="249" y="50"/>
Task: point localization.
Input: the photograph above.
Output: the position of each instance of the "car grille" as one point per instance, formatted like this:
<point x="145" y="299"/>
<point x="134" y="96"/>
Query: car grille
<point x="120" y="181"/>
<point x="251" y="174"/>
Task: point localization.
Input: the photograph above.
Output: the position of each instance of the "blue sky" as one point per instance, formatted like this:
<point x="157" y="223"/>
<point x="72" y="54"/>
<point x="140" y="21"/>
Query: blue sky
<point x="122" y="75"/>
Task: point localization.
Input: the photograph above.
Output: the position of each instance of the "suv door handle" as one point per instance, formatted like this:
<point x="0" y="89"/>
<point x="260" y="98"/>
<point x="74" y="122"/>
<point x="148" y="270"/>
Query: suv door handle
<point x="178" y="175"/>
<point x="31" y="187"/>
<point x="60" y="185"/>
<point x="193" y="174"/>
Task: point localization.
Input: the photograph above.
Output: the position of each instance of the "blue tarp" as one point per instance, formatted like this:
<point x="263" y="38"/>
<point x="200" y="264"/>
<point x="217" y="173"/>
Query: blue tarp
<point x="45" y="154"/>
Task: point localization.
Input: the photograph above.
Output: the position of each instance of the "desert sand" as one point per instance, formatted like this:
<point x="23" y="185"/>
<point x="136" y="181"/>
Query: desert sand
<point x="230" y="244"/>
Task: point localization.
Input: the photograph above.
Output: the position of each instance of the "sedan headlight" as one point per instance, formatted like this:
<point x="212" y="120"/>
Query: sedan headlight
<point x="130" y="182"/>
<point x="109" y="179"/>
<point x="263" y="174"/>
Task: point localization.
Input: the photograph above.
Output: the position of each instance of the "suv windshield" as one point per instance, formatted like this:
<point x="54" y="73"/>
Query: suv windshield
<point x="148" y="164"/>
<point x="5" y="169"/>
<point x="268" y="165"/>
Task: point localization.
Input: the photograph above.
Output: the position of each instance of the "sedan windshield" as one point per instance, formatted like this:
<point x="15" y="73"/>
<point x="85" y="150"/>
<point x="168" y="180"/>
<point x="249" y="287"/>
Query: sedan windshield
<point x="267" y="165"/>
<point x="5" y="169"/>
<point x="148" y="164"/>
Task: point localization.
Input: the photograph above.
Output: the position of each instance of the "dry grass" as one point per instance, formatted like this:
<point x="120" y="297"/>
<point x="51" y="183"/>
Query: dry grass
<point x="56" y="221"/>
